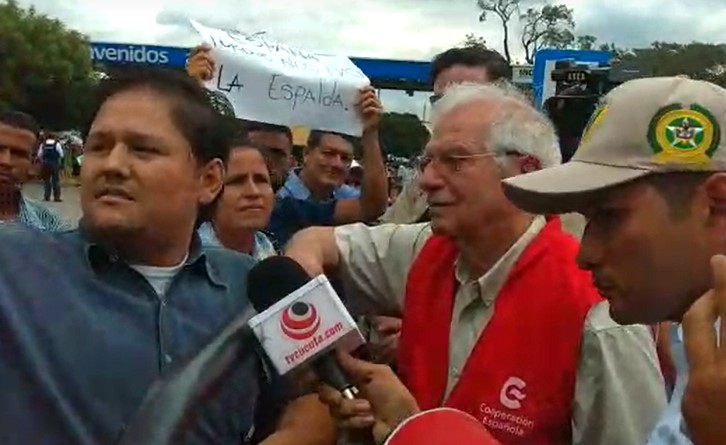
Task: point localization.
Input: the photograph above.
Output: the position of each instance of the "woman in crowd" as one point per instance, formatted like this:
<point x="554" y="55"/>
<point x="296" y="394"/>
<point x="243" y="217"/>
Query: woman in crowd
<point x="244" y="206"/>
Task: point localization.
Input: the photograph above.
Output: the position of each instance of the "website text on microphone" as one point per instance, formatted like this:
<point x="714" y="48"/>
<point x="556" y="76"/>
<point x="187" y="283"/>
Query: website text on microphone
<point x="311" y="345"/>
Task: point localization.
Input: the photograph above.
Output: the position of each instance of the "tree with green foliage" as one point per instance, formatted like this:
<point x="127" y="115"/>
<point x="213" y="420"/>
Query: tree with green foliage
<point x="585" y="42"/>
<point x="542" y="25"/>
<point x="697" y="60"/>
<point x="46" y="68"/>
<point x="703" y="61"/>
<point x="473" y="41"/>
<point x="403" y="134"/>
<point x="504" y="10"/>
<point x="545" y="25"/>
<point x="549" y="26"/>
<point x="616" y="52"/>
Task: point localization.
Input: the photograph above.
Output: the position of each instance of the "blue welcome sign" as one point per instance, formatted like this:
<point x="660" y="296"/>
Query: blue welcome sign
<point x="124" y="54"/>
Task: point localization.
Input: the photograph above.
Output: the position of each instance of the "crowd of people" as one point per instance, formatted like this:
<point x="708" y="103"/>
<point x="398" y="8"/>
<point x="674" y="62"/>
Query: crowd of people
<point x="507" y="298"/>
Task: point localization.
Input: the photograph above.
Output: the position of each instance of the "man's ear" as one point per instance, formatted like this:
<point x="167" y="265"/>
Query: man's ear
<point x="715" y="188"/>
<point x="211" y="181"/>
<point x="526" y="163"/>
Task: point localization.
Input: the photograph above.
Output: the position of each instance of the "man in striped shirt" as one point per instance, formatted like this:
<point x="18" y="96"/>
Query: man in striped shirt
<point x="18" y="139"/>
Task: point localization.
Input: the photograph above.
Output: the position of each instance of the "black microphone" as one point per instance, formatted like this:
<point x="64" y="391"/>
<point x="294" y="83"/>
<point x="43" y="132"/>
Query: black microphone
<point x="273" y="279"/>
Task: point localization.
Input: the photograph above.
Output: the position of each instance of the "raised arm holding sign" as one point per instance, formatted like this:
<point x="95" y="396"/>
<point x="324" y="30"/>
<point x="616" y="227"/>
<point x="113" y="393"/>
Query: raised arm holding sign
<point x="266" y="81"/>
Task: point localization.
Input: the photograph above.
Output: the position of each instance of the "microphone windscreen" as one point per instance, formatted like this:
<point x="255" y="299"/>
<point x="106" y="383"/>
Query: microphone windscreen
<point x="272" y="279"/>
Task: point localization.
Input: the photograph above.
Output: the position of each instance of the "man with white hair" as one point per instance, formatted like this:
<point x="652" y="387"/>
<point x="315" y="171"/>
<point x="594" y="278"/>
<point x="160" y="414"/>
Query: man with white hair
<point x="498" y="321"/>
<point x="455" y="65"/>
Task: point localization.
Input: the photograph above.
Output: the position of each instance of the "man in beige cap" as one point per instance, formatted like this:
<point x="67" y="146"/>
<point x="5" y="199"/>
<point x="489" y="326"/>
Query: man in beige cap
<point x="649" y="176"/>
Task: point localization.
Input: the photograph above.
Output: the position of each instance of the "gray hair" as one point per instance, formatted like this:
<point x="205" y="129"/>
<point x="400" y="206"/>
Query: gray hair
<point x="517" y="126"/>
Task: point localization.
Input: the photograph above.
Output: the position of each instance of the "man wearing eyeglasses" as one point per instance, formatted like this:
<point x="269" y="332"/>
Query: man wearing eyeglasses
<point x="455" y="65"/>
<point x="498" y="321"/>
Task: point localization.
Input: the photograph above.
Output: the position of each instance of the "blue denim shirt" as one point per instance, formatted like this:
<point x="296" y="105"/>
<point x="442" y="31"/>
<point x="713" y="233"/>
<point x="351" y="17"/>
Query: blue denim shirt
<point x="671" y="428"/>
<point x="262" y="248"/>
<point x="289" y="215"/>
<point x="83" y="336"/>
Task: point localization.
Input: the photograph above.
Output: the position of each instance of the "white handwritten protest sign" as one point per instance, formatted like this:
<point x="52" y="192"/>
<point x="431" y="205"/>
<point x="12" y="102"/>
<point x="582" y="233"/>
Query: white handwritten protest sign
<point x="270" y="82"/>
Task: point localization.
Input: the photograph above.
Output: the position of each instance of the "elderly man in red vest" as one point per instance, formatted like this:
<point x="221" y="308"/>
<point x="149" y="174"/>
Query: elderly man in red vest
<point x="498" y="321"/>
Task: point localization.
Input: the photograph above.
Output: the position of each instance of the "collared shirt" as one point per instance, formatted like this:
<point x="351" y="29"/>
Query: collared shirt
<point x="289" y="215"/>
<point x="472" y="306"/>
<point x="83" y="335"/>
<point x="619" y="391"/>
<point x="295" y="188"/>
<point x="671" y="428"/>
<point x="262" y="246"/>
<point x="35" y="214"/>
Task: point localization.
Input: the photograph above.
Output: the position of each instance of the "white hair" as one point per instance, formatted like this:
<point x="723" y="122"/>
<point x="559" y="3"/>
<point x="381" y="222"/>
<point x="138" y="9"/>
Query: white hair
<point x="517" y="126"/>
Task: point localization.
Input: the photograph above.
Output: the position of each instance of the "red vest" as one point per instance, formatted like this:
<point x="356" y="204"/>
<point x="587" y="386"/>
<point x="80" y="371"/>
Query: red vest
<point x="520" y="378"/>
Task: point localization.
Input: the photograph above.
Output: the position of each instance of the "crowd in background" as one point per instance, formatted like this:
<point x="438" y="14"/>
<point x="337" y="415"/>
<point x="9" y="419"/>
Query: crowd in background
<point x="476" y="294"/>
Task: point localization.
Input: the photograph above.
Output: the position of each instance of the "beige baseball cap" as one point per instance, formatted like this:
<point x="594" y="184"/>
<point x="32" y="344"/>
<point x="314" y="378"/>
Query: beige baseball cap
<point x="644" y="126"/>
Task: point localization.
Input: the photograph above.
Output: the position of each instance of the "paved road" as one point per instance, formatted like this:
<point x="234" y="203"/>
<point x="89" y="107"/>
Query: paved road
<point x="69" y="209"/>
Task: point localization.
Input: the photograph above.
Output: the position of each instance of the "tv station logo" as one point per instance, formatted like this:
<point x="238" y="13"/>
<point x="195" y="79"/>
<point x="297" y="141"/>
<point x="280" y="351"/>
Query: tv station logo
<point x="300" y="321"/>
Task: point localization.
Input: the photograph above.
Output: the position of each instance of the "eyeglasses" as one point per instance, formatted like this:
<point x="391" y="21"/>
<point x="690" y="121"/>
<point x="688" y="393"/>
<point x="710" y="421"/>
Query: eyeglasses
<point x="448" y="163"/>
<point x="434" y="98"/>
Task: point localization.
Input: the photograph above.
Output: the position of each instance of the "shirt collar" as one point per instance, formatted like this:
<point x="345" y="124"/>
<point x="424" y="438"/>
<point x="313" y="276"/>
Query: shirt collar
<point x="208" y="236"/>
<point x="35" y="214"/>
<point x="26" y="214"/>
<point x="678" y="352"/>
<point x="262" y="247"/>
<point x="491" y="282"/>
<point x="99" y="256"/>
<point x="295" y="187"/>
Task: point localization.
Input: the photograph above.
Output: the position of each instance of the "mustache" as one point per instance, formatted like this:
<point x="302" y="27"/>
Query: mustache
<point x="112" y="190"/>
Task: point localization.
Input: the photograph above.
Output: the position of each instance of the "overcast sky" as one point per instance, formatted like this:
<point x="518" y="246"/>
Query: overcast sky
<point x="397" y="29"/>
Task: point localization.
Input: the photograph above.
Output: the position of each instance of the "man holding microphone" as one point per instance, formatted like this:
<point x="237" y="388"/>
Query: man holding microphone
<point x="390" y="409"/>
<point x="497" y="320"/>
<point x="649" y="177"/>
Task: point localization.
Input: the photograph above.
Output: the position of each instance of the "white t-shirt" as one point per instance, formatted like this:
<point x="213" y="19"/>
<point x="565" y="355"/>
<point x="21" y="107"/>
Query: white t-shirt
<point x="159" y="277"/>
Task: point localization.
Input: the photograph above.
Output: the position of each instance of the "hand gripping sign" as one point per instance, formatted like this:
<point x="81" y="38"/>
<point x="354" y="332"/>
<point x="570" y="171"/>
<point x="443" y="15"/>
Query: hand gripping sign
<point x="270" y="82"/>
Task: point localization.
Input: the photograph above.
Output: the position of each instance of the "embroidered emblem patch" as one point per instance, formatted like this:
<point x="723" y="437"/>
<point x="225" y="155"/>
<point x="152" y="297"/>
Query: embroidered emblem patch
<point x="683" y="135"/>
